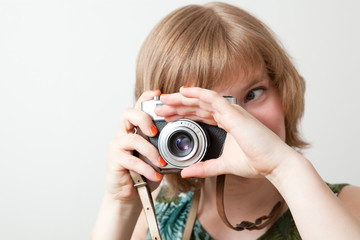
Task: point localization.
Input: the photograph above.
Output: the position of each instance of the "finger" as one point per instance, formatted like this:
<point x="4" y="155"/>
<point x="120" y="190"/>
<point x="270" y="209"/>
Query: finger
<point x="193" y="118"/>
<point x="185" y="111"/>
<point x="214" y="100"/>
<point x="227" y="115"/>
<point x="135" y="164"/>
<point x="136" y="118"/>
<point x="133" y="142"/>
<point x="178" y="99"/>
<point x="204" y="169"/>
<point x="145" y="96"/>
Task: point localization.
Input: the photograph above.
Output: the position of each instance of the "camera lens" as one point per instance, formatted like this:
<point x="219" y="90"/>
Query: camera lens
<point x="180" y="143"/>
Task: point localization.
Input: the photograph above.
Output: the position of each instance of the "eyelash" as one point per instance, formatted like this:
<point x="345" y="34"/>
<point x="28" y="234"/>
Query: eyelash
<point x="255" y="97"/>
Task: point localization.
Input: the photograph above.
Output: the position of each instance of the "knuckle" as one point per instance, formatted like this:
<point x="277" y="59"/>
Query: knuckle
<point x="122" y="142"/>
<point x="132" y="139"/>
<point x="139" y="167"/>
<point x="126" y="113"/>
<point x="203" y="114"/>
<point x="150" y="149"/>
<point x="128" y="109"/>
<point x="114" y="163"/>
<point x="146" y="95"/>
<point x="212" y="94"/>
<point x="180" y="111"/>
<point x="194" y="102"/>
<point x="114" y="143"/>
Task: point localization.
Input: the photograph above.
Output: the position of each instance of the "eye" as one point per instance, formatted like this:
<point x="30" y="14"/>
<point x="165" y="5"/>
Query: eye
<point x="254" y="94"/>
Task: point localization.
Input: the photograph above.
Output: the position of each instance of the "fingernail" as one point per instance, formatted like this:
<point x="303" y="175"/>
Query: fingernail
<point x="155" y="90"/>
<point x="158" y="176"/>
<point x="153" y="130"/>
<point x="162" y="162"/>
<point x="188" y="177"/>
<point x="164" y="94"/>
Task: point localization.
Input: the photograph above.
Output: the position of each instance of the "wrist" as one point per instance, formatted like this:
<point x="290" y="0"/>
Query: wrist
<point x="293" y="163"/>
<point x="122" y="206"/>
<point x="116" y="219"/>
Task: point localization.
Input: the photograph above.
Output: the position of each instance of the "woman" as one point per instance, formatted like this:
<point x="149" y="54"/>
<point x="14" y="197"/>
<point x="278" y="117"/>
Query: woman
<point x="216" y="50"/>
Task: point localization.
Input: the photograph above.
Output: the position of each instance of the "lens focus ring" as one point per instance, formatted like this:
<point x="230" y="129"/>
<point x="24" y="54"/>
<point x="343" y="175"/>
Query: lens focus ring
<point x="182" y="143"/>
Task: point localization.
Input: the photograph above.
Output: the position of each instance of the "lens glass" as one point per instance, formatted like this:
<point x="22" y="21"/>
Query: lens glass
<point x="181" y="143"/>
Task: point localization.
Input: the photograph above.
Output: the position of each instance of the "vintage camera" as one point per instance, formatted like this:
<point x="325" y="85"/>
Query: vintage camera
<point x="184" y="142"/>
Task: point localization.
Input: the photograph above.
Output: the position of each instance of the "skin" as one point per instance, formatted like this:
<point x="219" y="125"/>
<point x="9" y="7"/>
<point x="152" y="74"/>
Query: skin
<point x="259" y="165"/>
<point x="121" y="207"/>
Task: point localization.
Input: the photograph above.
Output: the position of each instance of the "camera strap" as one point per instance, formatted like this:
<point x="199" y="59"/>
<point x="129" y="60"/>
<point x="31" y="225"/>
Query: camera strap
<point x="259" y="223"/>
<point x="148" y="205"/>
<point x="192" y="215"/>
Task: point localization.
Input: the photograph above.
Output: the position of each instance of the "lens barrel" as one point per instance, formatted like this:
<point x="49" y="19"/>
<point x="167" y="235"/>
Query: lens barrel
<point x="182" y="143"/>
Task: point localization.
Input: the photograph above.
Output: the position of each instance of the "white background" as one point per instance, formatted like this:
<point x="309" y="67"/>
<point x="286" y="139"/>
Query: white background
<point x="67" y="72"/>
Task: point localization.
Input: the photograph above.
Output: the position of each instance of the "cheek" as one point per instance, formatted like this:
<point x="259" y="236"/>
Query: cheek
<point x="272" y="116"/>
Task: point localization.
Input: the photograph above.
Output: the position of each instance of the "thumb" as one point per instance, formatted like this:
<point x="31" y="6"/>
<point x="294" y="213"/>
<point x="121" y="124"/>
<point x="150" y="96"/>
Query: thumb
<point x="208" y="168"/>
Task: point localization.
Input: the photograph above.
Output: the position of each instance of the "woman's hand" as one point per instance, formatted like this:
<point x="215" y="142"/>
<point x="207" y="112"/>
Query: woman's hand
<point x="121" y="159"/>
<point x="251" y="149"/>
<point x="120" y="208"/>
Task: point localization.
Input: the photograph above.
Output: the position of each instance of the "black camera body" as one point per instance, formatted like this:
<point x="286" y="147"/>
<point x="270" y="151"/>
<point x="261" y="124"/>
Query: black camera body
<point x="184" y="142"/>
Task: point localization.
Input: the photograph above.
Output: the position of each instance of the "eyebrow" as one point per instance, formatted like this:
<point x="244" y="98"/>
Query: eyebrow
<point x="256" y="79"/>
<point x="248" y="81"/>
<point x="253" y="80"/>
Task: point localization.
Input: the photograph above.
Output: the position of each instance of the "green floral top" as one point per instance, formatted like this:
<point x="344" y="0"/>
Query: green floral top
<point x="172" y="215"/>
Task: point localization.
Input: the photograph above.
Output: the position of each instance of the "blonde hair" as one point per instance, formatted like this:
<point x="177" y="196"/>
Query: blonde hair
<point x="207" y="44"/>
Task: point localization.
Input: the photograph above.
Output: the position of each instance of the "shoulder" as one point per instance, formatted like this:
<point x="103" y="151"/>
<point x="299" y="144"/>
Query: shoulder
<point x="337" y="188"/>
<point x="350" y="196"/>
